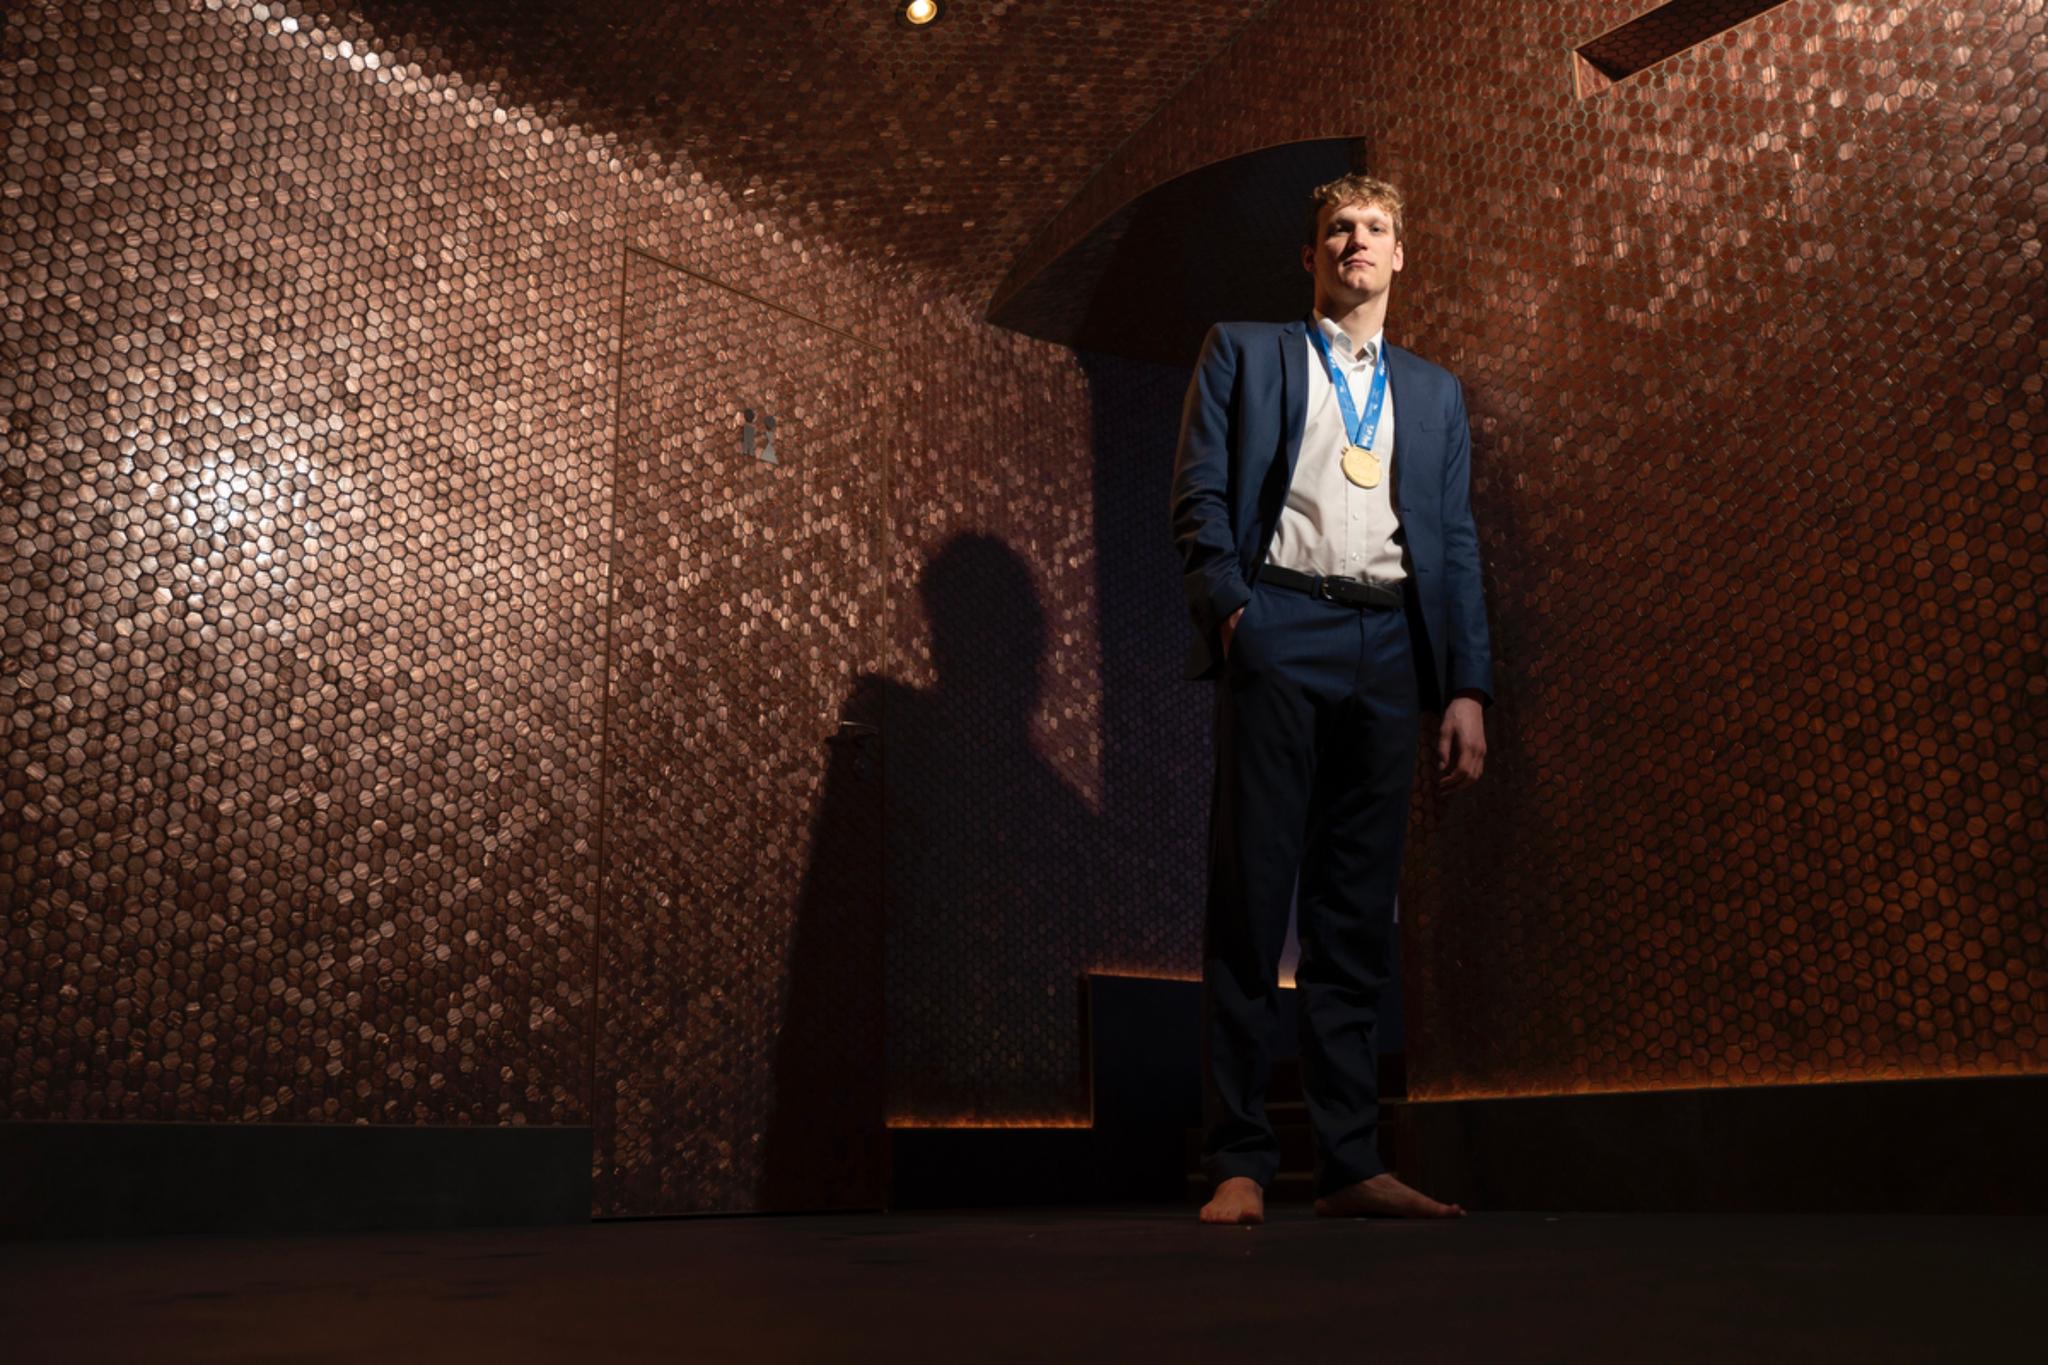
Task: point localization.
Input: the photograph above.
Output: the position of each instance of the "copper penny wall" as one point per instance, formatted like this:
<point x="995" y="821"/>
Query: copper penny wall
<point x="997" y="897"/>
<point x="990" y="683"/>
<point x="302" y="820"/>
<point x="1752" y="342"/>
<point x="932" y="154"/>
<point x="307" y="379"/>
<point x="748" y="599"/>
<point x="314" y="357"/>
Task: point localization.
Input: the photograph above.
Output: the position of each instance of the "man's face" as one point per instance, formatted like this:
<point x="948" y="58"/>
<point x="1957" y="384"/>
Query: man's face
<point x="1355" y="255"/>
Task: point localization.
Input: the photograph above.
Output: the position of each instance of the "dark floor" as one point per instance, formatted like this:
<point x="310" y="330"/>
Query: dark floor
<point x="1053" y="1285"/>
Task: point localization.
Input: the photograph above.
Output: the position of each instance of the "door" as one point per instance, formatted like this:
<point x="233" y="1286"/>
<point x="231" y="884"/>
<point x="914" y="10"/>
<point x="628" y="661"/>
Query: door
<point x="739" y="956"/>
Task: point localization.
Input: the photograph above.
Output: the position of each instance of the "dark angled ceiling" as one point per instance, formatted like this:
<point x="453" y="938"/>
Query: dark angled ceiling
<point x="1222" y="241"/>
<point x="941" y="151"/>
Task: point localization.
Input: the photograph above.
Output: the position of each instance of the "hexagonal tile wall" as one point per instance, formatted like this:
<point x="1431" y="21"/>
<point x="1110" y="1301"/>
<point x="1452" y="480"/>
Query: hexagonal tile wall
<point x="1752" y="340"/>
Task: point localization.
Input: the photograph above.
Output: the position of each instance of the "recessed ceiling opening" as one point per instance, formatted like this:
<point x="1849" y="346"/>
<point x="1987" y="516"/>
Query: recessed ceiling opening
<point x="1649" y="38"/>
<point x="1222" y="242"/>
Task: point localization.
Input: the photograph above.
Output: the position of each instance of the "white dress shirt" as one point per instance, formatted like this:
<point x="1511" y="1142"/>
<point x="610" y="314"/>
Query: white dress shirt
<point x="1330" y="525"/>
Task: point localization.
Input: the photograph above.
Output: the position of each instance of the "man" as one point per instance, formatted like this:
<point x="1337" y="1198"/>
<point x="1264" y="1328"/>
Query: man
<point x="1321" y="512"/>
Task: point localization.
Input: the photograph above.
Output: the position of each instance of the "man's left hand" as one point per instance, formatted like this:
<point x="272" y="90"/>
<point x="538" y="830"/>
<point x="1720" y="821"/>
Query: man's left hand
<point x="1461" y="744"/>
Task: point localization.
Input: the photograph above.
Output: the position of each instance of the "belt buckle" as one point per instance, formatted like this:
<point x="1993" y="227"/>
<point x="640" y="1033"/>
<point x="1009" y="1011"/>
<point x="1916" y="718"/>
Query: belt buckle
<point x="1345" y="592"/>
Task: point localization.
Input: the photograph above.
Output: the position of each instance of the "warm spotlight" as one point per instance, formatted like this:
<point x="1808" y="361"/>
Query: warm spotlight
<point x="918" y="13"/>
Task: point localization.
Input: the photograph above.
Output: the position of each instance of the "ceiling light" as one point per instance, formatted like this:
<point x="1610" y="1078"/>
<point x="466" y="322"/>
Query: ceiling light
<point x="918" y="13"/>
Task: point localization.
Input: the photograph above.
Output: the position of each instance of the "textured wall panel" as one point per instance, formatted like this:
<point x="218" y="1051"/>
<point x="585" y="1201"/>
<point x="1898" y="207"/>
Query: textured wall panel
<point x="932" y="153"/>
<point x="312" y="346"/>
<point x="996" y="857"/>
<point x="747" y="599"/>
<point x="1753" y="347"/>
<point x="304" y="476"/>
<point x="1156" y="764"/>
<point x="1000" y="892"/>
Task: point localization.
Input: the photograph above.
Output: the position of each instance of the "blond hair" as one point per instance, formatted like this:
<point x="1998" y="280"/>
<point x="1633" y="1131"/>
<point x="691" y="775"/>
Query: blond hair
<point x="1361" y="190"/>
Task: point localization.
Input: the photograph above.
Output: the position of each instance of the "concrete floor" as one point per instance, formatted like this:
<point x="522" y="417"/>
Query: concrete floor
<point x="1044" y="1285"/>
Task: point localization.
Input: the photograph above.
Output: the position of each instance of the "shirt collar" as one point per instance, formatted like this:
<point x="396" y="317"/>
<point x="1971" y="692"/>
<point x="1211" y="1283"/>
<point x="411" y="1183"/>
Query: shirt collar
<point x="1340" y="342"/>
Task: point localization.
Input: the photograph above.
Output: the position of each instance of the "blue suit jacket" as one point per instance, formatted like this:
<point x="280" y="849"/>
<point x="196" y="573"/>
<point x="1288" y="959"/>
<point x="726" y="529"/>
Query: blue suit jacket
<point x="1240" y="437"/>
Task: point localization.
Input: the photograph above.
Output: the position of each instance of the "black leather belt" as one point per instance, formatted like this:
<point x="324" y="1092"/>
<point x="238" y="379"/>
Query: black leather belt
<point x="1351" y="592"/>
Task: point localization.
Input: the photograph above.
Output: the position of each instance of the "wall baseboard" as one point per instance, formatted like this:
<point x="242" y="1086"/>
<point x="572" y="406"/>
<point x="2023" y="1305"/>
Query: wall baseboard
<point x="1953" y="1145"/>
<point x="131" y="1179"/>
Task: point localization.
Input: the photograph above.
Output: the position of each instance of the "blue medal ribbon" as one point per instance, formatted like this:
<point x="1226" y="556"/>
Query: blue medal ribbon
<point x="1360" y="429"/>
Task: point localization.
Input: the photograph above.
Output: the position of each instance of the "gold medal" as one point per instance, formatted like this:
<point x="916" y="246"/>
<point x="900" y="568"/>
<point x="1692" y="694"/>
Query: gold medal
<point x="1361" y="466"/>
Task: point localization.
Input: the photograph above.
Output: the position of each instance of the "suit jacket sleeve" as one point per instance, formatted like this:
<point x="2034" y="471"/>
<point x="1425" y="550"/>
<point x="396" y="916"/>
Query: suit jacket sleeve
<point x="1469" y="647"/>
<point x="1202" y="532"/>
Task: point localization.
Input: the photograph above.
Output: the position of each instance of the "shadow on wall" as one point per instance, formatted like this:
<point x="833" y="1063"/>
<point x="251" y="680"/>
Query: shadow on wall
<point x="823" y="1142"/>
<point x="993" y="869"/>
<point x="994" y="861"/>
<point x="1003" y="886"/>
<point x="1156" y="767"/>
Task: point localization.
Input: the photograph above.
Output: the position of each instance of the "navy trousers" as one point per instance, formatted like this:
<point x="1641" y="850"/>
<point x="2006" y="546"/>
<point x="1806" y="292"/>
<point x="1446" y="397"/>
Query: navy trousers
<point x="1317" y="723"/>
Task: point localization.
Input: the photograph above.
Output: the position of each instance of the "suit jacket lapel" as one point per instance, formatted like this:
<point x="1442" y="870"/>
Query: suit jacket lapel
<point x="1294" y="391"/>
<point x="1406" y="396"/>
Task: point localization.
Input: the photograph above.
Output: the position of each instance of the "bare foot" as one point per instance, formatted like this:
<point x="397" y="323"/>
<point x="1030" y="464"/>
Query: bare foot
<point x="1383" y="1196"/>
<point x="1237" y="1200"/>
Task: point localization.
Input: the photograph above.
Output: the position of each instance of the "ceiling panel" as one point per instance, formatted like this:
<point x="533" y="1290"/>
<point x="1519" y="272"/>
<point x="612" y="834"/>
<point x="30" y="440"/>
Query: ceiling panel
<point x="938" y="151"/>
